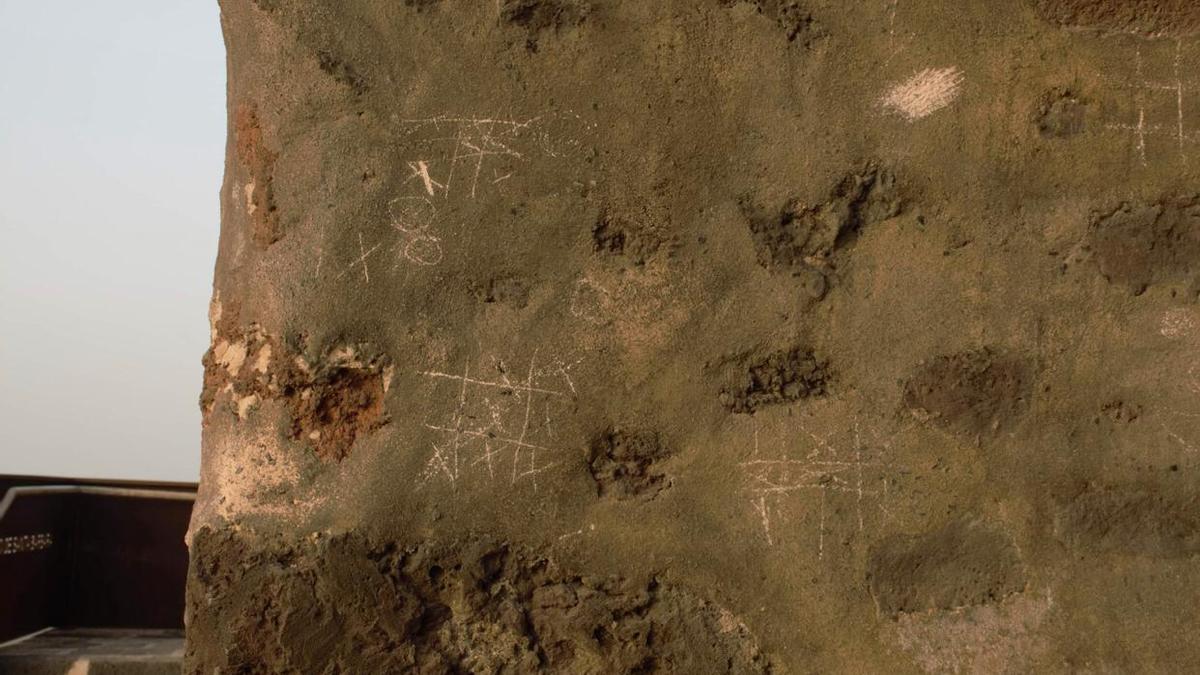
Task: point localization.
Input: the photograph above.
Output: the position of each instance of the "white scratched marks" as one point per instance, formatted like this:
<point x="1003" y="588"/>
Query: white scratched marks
<point x="455" y="160"/>
<point x="473" y="142"/>
<point x="1179" y="440"/>
<point x="465" y="145"/>
<point x="1194" y="377"/>
<point x="420" y="169"/>
<point x="412" y="218"/>
<point x="361" y="260"/>
<point x="825" y="474"/>
<point x="1159" y="108"/>
<point x="590" y="301"/>
<point x="320" y="255"/>
<point x="897" y="39"/>
<point x="924" y="93"/>
<point x="501" y="424"/>
<point x="1179" y="324"/>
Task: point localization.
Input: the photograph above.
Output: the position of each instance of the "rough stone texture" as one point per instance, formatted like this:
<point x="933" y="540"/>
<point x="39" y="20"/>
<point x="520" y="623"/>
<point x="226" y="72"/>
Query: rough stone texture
<point x="1140" y="244"/>
<point x="777" y="378"/>
<point x="976" y="391"/>
<point x="625" y="464"/>
<point x="688" y="336"/>
<point x="959" y="565"/>
<point x="344" y="604"/>
<point x="1151" y="18"/>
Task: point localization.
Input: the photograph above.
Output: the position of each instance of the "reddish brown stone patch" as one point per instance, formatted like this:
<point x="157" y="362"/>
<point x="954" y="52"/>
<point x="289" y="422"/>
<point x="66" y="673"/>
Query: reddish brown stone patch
<point x="1151" y="18"/>
<point x="258" y="163"/>
<point x="332" y="411"/>
<point x="331" y="402"/>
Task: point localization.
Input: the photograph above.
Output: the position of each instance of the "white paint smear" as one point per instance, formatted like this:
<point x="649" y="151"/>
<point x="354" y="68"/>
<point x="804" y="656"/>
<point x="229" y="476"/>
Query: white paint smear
<point x="1176" y="323"/>
<point x="925" y="93"/>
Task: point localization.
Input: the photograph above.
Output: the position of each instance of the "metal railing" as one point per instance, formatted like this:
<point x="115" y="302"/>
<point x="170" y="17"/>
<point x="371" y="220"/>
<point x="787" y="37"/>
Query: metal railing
<point x="91" y="554"/>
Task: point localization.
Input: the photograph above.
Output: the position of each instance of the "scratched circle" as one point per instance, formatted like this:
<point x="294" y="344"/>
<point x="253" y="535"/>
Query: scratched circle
<point x="561" y="134"/>
<point x="424" y="250"/>
<point x="412" y="214"/>
<point x="588" y="301"/>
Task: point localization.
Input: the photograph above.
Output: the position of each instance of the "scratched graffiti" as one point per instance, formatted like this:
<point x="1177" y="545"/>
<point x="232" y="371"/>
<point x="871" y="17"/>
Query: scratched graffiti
<point x="413" y="219"/>
<point x="495" y="423"/>
<point x="449" y="163"/>
<point x="1159" y="99"/>
<point x="830" y="479"/>
<point x="455" y="156"/>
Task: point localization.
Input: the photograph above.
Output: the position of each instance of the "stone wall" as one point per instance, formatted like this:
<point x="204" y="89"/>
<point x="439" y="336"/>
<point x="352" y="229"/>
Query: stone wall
<point x="691" y="336"/>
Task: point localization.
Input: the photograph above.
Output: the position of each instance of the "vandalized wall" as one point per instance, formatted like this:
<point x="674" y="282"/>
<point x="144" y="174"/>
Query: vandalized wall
<point x="704" y="336"/>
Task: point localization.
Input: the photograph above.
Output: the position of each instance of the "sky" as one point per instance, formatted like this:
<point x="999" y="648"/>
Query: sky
<point x="112" y="134"/>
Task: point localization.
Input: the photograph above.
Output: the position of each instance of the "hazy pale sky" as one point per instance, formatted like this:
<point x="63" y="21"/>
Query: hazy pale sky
<point x="112" y="133"/>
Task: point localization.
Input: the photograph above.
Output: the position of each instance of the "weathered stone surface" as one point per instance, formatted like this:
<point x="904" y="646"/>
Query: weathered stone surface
<point x="686" y="336"/>
<point x="959" y="565"/>
<point x="343" y="603"/>
<point x="975" y="392"/>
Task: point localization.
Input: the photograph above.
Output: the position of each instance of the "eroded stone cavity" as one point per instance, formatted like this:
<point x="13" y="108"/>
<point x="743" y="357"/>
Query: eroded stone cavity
<point x="342" y="603"/>
<point x="626" y="463"/>
<point x="331" y="401"/>
<point x="975" y="392"/>
<point x="1061" y="113"/>
<point x="803" y="240"/>
<point x="1130" y="519"/>
<point x="793" y="18"/>
<point x="779" y="377"/>
<point x="1140" y="244"/>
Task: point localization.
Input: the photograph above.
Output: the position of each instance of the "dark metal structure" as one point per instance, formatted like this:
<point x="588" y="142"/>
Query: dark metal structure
<point x="91" y="554"/>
